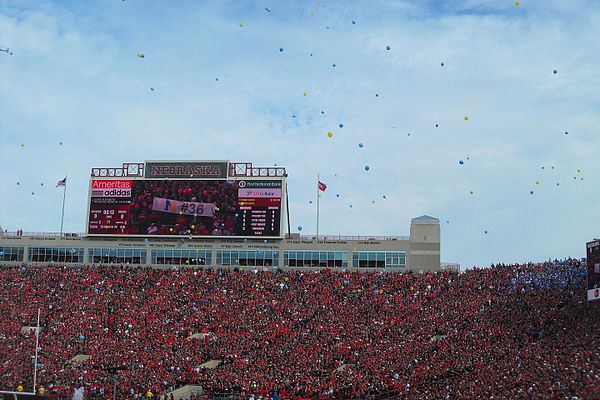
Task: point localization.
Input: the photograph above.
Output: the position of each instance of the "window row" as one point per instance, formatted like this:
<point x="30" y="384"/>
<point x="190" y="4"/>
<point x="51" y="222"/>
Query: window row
<point x="117" y="256"/>
<point x="56" y="254"/>
<point x="255" y="258"/>
<point x="379" y="259"/>
<point x="11" y="253"/>
<point x="305" y="258"/>
<point x="182" y="257"/>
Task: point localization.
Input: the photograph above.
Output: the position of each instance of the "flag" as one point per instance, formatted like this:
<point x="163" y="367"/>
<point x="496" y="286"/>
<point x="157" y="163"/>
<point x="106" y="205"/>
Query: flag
<point x="62" y="183"/>
<point x="322" y="186"/>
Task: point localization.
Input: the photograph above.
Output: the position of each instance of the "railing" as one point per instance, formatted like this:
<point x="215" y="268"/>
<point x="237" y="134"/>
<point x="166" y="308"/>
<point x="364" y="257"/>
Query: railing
<point x="229" y="238"/>
<point x="346" y="237"/>
<point x="41" y="234"/>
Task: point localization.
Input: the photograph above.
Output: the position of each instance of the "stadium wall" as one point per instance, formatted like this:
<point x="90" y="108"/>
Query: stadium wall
<point x="419" y="253"/>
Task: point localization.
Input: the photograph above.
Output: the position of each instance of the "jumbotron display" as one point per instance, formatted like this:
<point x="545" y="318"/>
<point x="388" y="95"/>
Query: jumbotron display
<point x="185" y="207"/>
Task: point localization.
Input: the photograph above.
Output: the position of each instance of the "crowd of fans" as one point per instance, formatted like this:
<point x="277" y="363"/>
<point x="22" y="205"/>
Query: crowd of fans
<point x="509" y="331"/>
<point x="145" y="220"/>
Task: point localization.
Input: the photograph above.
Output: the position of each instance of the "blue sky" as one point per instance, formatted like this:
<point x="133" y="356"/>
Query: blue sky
<point x="74" y="78"/>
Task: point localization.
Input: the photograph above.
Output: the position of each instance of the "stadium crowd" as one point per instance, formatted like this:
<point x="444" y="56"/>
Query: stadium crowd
<point x="508" y="331"/>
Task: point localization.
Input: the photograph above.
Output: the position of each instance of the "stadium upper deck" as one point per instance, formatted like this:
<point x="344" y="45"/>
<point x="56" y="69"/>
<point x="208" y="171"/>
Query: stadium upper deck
<point x="212" y="213"/>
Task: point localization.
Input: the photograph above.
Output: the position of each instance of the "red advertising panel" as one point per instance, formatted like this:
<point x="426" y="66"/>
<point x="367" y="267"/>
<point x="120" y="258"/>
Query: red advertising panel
<point x="185" y="207"/>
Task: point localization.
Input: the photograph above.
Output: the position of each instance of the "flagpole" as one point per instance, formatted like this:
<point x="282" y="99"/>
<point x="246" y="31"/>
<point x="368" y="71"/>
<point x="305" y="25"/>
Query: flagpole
<point x="318" y="180"/>
<point x="37" y="341"/>
<point x="62" y="216"/>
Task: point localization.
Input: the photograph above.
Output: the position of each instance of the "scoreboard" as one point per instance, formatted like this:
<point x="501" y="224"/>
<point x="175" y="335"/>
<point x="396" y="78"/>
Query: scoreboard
<point x="593" y="269"/>
<point x="190" y="206"/>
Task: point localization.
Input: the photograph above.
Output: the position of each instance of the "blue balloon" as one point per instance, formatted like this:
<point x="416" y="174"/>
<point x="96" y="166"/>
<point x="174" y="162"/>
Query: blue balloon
<point x="436" y="125"/>
<point x="341" y="125"/>
<point x="299" y="228"/>
<point x="353" y="22"/>
<point x="333" y="65"/>
<point x="281" y="49"/>
<point x="442" y="64"/>
<point x="384" y="196"/>
<point x="461" y="162"/>
<point x="388" y="47"/>
<point x="367" y="168"/>
<point x="361" y="145"/>
<point x="555" y="71"/>
<point x="566" y="133"/>
<point x="337" y="195"/>
<point x="310" y="202"/>
<point x="322" y="112"/>
<point x="531" y="192"/>
<point x="376" y="94"/>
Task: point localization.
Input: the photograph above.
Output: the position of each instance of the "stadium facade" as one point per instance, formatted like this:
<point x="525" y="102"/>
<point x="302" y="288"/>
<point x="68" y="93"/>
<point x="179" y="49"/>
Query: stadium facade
<point x="211" y="213"/>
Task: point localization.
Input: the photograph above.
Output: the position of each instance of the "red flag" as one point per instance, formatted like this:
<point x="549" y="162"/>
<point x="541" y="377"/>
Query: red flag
<point x="322" y="186"/>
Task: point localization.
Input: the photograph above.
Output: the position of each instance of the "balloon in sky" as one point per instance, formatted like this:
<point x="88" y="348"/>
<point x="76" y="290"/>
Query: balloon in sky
<point x="337" y="195"/>
<point x="267" y="10"/>
<point x="32" y="193"/>
<point x="42" y="184"/>
<point x="471" y="192"/>
<point x="281" y="49"/>
<point x="537" y="182"/>
<point x="310" y="202"/>
<point x="322" y="112"/>
<point x="466" y="118"/>
<point x="22" y="145"/>
<point x="353" y="22"/>
<point x="461" y="162"/>
<point x="555" y="71"/>
<point x="531" y="192"/>
<point x="517" y="3"/>
<point x="341" y="125"/>
<point x="329" y="134"/>
<point x="388" y="47"/>
<point x="140" y="55"/>
<point x="333" y="65"/>
<point x="437" y="125"/>
<point x="566" y="133"/>
<point x="18" y="183"/>
<point x="152" y="89"/>
<point x="442" y="64"/>
<point x="376" y="94"/>
<point x="361" y="145"/>
<point x="60" y="143"/>
<point x="299" y="228"/>
<point x="367" y="168"/>
<point x="485" y="232"/>
<point x="384" y="196"/>
<point x="241" y="24"/>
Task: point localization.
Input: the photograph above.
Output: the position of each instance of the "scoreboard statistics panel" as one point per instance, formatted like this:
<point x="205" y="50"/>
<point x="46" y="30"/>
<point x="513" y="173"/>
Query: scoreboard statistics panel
<point x="593" y="265"/>
<point x="180" y="207"/>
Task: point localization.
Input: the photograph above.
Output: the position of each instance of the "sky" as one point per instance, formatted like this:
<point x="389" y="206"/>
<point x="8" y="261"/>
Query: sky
<point x="512" y="91"/>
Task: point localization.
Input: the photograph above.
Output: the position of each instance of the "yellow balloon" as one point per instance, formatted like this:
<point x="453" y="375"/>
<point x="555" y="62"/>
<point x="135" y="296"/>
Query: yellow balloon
<point x="329" y="134"/>
<point x="241" y="25"/>
<point x="517" y="3"/>
<point x="466" y="118"/>
<point x="305" y="94"/>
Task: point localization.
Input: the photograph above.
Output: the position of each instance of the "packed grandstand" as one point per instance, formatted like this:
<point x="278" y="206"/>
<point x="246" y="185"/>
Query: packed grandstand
<point x="508" y="331"/>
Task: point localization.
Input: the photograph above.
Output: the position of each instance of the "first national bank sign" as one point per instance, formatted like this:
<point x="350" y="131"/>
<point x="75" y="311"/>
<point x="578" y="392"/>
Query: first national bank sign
<point x="186" y="169"/>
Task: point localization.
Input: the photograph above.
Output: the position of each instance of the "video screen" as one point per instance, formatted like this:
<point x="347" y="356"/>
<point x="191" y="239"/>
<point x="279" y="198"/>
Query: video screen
<point x="185" y="207"/>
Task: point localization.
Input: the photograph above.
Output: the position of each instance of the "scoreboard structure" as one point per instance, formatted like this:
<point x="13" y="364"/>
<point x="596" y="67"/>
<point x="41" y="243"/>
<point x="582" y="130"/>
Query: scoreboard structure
<point x="187" y="199"/>
<point x="593" y="270"/>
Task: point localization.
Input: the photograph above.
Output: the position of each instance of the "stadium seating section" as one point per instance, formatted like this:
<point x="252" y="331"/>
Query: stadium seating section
<point x="508" y="331"/>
